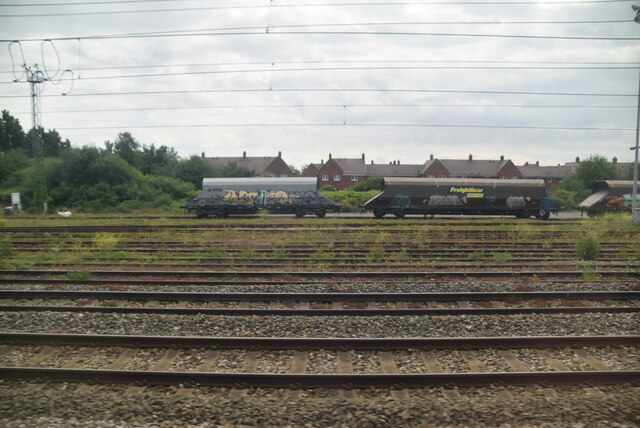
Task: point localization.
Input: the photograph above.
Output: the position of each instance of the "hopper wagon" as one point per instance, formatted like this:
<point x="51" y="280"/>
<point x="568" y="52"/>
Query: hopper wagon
<point x="430" y="196"/>
<point x="608" y="196"/>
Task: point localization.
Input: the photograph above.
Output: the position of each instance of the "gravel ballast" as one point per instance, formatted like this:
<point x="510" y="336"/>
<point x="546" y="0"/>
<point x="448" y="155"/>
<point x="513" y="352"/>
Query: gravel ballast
<point x="325" y="326"/>
<point x="61" y="405"/>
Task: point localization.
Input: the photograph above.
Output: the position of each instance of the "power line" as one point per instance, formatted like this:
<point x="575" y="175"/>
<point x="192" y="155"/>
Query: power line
<point x="275" y="63"/>
<point x="413" y="125"/>
<point x="363" y="90"/>
<point x="329" y="33"/>
<point x="84" y="3"/>
<point x="348" y="106"/>
<point x="307" y="5"/>
<point x="323" y="69"/>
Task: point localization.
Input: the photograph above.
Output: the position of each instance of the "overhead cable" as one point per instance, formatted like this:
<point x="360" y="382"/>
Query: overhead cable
<point x="308" y="5"/>
<point x="413" y="125"/>
<point x="363" y="90"/>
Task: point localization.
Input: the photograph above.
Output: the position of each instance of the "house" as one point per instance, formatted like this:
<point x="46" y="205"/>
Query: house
<point x="344" y="173"/>
<point x="552" y="175"/>
<point x="339" y="173"/>
<point x="473" y="168"/>
<point x="260" y="165"/>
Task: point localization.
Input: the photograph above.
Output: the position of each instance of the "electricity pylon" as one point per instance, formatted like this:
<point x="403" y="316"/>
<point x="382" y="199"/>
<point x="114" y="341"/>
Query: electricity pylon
<point x="36" y="79"/>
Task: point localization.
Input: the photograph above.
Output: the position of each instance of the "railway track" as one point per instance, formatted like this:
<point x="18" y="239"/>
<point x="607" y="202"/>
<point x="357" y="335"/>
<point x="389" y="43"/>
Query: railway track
<point x="261" y="276"/>
<point x="452" y="310"/>
<point x="321" y="304"/>
<point x="390" y="363"/>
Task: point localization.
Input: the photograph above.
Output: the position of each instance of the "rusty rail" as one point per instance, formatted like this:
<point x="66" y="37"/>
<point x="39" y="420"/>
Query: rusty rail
<point x="282" y="343"/>
<point x="335" y="381"/>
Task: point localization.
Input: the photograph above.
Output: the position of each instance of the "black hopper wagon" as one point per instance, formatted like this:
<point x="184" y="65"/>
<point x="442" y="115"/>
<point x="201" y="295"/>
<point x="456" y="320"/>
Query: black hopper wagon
<point x="277" y="195"/>
<point x="608" y="196"/>
<point x="430" y="196"/>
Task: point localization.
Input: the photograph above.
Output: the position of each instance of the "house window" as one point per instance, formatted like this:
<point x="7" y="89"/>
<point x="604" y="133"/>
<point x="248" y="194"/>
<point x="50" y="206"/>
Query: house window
<point x="550" y="180"/>
<point x="443" y="176"/>
<point x="325" y="178"/>
<point x="503" y="177"/>
<point x="354" y="178"/>
<point x="336" y="178"/>
<point x="430" y="176"/>
<point x="283" y="175"/>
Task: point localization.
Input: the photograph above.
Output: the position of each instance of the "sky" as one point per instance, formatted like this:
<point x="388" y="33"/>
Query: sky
<point x="543" y="81"/>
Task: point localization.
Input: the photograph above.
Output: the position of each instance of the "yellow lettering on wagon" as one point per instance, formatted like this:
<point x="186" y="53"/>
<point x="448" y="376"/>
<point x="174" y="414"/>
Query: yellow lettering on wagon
<point x="469" y="192"/>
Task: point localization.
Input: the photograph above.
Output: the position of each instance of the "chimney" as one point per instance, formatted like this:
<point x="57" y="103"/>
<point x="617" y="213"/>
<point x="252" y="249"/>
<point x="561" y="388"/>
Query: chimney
<point x="614" y="160"/>
<point x="202" y="155"/>
<point x="501" y="157"/>
<point x="279" y="154"/>
<point x="577" y="159"/>
<point x="470" y="157"/>
<point x="537" y="163"/>
<point x="244" y="154"/>
<point x="371" y="161"/>
<point x="329" y="156"/>
<point x="363" y="156"/>
<point x="322" y="161"/>
<point x="431" y="156"/>
<point x="398" y="161"/>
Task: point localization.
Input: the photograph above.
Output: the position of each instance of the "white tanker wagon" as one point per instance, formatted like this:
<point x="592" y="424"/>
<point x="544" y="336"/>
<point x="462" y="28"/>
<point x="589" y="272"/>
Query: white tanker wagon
<point x="288" y="195"/>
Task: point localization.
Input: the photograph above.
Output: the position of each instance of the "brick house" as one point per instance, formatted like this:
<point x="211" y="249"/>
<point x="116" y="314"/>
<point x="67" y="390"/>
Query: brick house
<point x="550" y="174"/>
<point x="342" y="173"/>
<point x="260" y="165"/>
<point x="477" y="168"/>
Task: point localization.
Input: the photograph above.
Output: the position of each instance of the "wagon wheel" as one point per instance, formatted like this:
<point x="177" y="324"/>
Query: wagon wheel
<point x="321" y="213"/>
<point x="300" y="213"/>
<point x="543" y="214"/>
<point x="378" y="213"/>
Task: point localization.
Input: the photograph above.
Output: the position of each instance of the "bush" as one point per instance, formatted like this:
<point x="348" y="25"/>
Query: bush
<point x="587" y="247"/>
<point x="373" y="183"/>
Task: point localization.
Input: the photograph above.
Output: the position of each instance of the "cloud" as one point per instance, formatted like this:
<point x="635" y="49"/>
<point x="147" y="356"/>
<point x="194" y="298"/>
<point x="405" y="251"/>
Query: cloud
<point x="379" y="63"/>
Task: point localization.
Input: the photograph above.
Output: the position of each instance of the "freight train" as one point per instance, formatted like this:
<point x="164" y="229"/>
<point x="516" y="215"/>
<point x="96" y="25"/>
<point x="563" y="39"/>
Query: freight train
<point x="521" y="198"/>
<point x="287" y="195"/>
<point x="608" y="196"/>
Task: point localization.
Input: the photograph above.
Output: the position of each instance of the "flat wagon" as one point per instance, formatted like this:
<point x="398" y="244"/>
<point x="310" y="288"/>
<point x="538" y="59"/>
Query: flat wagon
<point x="287" y="195"/>
<point x="429" y="196"/>
<point x="608" y="196"/>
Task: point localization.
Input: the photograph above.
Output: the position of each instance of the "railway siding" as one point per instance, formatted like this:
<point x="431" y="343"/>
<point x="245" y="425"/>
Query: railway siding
<point x="271" y="321"/>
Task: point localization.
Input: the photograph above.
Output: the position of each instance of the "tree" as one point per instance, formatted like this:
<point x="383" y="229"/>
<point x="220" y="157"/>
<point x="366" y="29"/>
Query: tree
<point x="232" y="169"/>
<point x="595" y="168"/>
<point x="12" y="136"/>
<point x="50" y="141"/>
<point x="574" y="188"/>
<point x="158" y="161"/>
<point x="126" y="147"/>
<point x="194" y="169"/>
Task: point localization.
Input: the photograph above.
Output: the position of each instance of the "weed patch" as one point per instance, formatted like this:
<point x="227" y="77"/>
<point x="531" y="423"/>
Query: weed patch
<point x="79" y="275"/>
<point x="104" y="240"/>
<point x="587" y="247"/>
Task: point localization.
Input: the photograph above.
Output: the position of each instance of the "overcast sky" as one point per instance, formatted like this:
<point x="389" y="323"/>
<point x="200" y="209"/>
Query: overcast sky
<point x="394" y="80"/>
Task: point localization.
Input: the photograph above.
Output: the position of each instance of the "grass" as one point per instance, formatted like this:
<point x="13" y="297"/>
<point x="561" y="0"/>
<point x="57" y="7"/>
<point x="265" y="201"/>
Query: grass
<point x="79" y="275"/>
<point x="587" y="247"/>
<point x="384" y="241"/>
